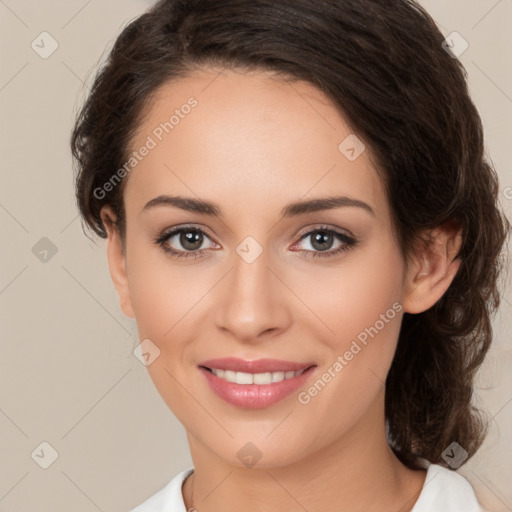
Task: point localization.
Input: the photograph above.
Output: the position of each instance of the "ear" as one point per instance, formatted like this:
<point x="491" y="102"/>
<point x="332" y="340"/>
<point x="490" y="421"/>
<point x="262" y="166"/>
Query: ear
<point x="433" y="267"/>
<point x="117" y="260"/>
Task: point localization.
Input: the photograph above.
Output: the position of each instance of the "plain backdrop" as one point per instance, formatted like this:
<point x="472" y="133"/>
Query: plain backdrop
<point x="68" y="375"/>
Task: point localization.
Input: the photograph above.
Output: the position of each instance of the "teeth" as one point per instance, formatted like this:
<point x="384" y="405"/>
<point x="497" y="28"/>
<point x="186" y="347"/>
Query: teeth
<point x="254" y="378"/>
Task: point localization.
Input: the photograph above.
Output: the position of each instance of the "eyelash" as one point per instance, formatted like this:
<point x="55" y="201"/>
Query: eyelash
<point x="162" y="241"/>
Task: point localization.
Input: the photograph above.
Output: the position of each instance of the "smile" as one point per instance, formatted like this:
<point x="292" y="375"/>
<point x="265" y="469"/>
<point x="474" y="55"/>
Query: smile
<point x="255" y="384"/>
<point x="254" y="378"/>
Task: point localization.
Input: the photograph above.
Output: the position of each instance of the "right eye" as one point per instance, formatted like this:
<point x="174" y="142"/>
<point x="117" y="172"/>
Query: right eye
<point x="189" y="238"/>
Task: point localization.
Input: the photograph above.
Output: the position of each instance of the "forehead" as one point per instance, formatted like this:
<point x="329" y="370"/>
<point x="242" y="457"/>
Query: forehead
<point x="250" y="137"/>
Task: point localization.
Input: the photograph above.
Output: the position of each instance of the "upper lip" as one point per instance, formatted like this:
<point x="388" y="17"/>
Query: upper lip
<point x="255" y="366"/>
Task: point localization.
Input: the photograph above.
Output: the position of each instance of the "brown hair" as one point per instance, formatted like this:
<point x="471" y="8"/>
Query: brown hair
<point x="382" y="64"/>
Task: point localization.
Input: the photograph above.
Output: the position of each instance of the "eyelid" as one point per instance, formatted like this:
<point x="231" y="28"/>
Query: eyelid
<point x="168" y="233"/>
<point x="325" y="227"/>
<point x="347" y="238"/>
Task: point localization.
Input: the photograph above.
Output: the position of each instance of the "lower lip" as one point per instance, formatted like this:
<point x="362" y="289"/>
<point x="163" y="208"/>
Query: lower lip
<point x="255" y="396"/>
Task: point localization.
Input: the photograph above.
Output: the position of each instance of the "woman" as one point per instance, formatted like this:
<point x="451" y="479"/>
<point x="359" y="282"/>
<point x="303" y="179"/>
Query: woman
<point x="301" y="220"/>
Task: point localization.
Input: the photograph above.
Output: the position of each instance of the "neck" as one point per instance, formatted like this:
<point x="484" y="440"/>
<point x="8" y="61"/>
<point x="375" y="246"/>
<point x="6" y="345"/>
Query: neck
<point x="356" y="472"/>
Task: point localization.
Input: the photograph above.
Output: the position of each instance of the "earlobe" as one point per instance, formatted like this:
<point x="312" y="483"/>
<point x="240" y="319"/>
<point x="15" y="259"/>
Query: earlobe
<point x="117" y="260"/>
<point x="433" y="268"/>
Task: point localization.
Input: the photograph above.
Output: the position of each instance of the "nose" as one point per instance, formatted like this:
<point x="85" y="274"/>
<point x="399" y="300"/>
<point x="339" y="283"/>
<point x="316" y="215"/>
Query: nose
<point x="253" y="302"/>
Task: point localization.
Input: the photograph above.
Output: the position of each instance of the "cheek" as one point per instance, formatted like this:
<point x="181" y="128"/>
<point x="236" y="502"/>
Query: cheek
<point x="163" y="297"/>
<point x="162" y="292"/>
<point x="356" y="295"/>
<point x="360" y="305"/>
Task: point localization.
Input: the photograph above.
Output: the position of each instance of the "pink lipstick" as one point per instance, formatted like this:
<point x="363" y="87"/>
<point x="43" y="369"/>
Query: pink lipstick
<point x="254" y="384"/>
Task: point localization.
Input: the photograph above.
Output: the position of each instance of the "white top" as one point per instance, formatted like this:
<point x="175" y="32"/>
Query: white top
<point x="444" y="490"/>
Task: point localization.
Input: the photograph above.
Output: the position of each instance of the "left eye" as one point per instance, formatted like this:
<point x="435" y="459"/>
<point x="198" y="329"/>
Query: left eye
<point x="191" y="240"/>
<point x="322" y="240"/>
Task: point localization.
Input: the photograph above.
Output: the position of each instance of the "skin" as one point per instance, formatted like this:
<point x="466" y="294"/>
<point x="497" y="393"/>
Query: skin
<point x="252" y="145"/>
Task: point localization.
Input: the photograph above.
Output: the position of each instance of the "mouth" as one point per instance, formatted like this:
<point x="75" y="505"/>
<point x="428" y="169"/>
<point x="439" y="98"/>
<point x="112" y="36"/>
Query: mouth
<point x="255" y="384"/>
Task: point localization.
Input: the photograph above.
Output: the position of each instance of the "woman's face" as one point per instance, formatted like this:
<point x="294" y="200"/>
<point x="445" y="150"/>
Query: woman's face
<point x="252" y="287"/>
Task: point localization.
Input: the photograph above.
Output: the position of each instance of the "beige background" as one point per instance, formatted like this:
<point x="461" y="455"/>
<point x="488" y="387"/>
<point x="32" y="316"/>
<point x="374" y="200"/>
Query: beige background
<point x="68" y="376"/>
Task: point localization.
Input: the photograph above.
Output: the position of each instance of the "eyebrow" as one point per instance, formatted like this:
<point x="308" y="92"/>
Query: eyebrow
<point x="290" y="210"/>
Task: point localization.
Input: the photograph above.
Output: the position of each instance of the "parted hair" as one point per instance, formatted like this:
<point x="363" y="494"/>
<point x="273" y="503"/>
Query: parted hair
<point x="383" y="64"/>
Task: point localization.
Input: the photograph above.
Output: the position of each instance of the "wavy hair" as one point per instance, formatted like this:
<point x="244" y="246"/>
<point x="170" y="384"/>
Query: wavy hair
<point x="384" y="66"/>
